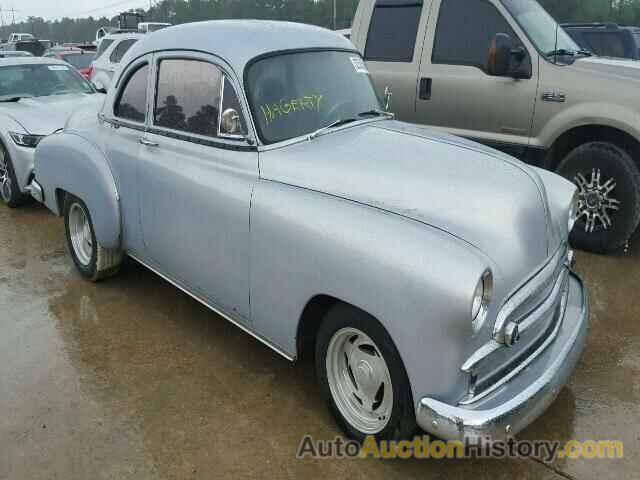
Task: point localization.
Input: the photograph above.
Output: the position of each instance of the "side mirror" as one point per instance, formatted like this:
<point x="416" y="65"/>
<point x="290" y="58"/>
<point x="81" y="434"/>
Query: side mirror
<point x="387" y="98"/>
<point x="230" y="122"/>
<point x="499" y="61"/>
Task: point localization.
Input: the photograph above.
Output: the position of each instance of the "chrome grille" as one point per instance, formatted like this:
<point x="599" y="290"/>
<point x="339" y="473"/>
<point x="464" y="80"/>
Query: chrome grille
<point x="537" y="307"/>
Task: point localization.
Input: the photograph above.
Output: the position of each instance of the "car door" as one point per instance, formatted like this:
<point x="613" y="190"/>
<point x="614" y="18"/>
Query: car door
<point x="393" y="48"/>
<point x="462" y="97"/>
<point x="124" y="123"/>
<point x="196" y="181"/>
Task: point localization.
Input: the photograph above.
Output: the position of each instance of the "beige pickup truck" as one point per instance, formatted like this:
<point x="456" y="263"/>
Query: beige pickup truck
<point x="502" y="73"/>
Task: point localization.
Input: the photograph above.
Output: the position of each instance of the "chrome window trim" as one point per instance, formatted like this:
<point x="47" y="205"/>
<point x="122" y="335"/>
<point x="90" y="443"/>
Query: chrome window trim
<point x="242" y="143"/>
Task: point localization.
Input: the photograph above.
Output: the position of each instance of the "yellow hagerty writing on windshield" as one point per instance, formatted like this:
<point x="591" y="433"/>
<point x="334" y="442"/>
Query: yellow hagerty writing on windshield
<point x="273" y="111"/>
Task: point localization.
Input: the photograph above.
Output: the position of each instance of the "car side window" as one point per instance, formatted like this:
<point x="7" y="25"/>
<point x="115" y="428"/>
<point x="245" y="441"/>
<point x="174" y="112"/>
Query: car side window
<point x="121" y="49"/>
<point x="104" y="45"/>
<point x="132" y="102"/>
<point x="189" y="97"/>
<point x="465" y="30"/>
<point x="393" y="31"/>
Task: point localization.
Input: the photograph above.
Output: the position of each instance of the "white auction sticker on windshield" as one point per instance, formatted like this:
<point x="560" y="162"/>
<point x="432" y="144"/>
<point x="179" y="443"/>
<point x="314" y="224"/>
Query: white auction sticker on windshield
<point x="359" y="65"/>
<point x="57" y="68"/>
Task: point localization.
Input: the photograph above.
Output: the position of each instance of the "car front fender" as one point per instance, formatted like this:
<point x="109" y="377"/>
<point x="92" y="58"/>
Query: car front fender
<point x="67" y="162"/>
<point x="416" y="280"/>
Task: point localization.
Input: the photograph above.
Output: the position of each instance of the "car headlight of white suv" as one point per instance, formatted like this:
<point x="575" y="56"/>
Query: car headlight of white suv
<point x="25" y="139"/>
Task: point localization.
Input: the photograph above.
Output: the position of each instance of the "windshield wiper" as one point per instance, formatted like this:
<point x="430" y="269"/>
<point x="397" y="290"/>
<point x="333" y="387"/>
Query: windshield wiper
<point x="337" y="123"/>
<point x="377" y="113"/>
<point x="561" y="52"/>
<point x="14" y="98"/>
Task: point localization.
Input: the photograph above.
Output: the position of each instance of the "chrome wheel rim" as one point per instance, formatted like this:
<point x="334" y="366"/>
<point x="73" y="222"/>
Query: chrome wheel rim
<point x="359" y="380"/>
<point x="5" y="179"/>
<point x="80" y="233"/>
<point x="596" y="202"/>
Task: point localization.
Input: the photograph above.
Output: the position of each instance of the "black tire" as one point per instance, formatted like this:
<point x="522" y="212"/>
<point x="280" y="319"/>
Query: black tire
<point x="402" y="421"/>
<point x="104" y="262"/>
<point x="613" y="163"/>
<point x="16" y="197"/>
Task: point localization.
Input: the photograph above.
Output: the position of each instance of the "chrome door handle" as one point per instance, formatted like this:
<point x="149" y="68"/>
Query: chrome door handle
<point x="148" y="143"/>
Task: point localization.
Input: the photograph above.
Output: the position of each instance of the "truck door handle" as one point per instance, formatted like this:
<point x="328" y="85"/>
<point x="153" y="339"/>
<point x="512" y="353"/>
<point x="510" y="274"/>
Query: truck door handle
<point x="425" y="88"/>
<point x="147" y="143"/>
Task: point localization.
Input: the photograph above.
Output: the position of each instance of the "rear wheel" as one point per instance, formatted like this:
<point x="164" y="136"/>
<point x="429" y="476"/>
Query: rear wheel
<point x="92" y="260"/>
<point x="9" y="189"/>
<point x="608" y="184"/>
<point x="362" y="377"/>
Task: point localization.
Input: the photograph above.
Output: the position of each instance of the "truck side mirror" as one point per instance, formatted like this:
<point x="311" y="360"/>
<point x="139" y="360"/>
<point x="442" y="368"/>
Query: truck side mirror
<point x="499" y="61"/>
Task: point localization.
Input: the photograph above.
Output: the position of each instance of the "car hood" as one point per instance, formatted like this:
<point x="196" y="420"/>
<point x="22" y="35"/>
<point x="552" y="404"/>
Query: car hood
<point x="45" y="115"/>
<point x="611" y="67"/>
<point x="488" y="199"/>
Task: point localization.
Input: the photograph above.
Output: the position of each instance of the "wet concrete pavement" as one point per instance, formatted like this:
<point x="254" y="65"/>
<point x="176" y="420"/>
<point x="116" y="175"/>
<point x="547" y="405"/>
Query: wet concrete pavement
<point x="131" y="378"/>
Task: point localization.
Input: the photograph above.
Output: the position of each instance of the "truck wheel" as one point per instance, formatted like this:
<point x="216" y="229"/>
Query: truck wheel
<point x="9" y="189"/>
<point x="608" y="184"/>
<point x="362" y="377"/>
<point x="93" y="261"/>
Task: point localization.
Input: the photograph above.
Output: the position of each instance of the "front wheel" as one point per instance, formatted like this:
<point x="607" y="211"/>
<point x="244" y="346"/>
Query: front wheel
<point x="9" y="189"/>
<point x="608" y="184"/>
<point x="92" y="260"/>
<point x="362" y="377"/>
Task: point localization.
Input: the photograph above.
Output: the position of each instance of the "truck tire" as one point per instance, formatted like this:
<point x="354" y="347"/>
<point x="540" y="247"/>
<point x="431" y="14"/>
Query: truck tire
<point x="608" y="184"/>
<point x="362" y="377"/>
<point x="9" y="189"/>
<point x="93" y="261"/>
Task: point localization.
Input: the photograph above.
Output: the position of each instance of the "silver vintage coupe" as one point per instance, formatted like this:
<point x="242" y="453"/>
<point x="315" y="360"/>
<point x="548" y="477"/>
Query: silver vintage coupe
<point x="251" y="164"/>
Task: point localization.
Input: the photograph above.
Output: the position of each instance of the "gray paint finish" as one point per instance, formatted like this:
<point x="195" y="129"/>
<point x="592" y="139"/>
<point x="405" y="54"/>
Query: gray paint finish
<point x="392" y="218"/>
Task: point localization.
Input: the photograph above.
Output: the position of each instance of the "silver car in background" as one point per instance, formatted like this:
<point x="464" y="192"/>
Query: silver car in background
<point x="37" y="95"/>
<point x="251" y="164"/>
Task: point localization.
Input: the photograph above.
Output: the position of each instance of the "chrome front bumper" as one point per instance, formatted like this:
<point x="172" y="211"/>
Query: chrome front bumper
<point x="525" y="397"/>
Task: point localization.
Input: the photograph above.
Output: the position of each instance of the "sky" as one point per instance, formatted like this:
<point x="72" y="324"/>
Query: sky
<point x="53" y="9"/>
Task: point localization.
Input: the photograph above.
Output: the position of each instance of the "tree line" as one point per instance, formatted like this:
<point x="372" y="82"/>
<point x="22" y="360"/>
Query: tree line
<point x="317" y="12"/>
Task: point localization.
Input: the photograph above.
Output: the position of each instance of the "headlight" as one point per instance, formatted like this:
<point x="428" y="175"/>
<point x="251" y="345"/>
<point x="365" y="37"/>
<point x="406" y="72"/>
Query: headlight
<point x="482" y="296"/>
<point x="573" y="211"/>
<point x="26" y="140"/>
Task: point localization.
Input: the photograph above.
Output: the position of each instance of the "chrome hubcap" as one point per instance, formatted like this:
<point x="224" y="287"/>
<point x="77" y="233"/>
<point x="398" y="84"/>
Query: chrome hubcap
<point x="5" y="180"/>
<point x="80" y="232"/>
<point x="596" y="203"/>
<point x="359" y="380"/>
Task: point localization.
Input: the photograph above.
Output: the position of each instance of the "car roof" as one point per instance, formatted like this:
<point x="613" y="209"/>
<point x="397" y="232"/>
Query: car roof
<point x="239" y="41"/>
<point x="122" y="35"/>
<point x="10" y="61"/>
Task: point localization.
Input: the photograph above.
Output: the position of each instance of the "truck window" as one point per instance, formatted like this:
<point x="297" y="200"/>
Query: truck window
<point x="393" y="30"/>
<point x="606" y="44"/>
<point x="465" y="30"/>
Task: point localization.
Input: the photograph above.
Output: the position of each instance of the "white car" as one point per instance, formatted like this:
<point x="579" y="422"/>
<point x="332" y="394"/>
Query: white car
<point x="37" y="95"/>
<point x="110" y="51"/>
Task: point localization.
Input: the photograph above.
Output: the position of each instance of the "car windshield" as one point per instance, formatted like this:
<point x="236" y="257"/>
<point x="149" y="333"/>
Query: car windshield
<point x="39" y="80"/>
<point x="295" y="94"/>
<point x="79" y="60"/>
<point x="541" y="27"/>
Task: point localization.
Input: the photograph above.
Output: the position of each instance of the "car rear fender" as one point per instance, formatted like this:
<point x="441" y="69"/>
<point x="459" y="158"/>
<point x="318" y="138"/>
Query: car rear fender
<point x="67" y="162"/>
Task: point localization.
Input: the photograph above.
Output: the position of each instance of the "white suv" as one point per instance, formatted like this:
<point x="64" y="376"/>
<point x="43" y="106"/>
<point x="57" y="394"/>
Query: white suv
<point x="110" y="51"/>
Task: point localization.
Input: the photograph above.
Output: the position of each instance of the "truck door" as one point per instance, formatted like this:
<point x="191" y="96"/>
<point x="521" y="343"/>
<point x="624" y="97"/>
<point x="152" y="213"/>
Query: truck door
<point x="455" y="91"/>
<point x="393" y="47"/>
